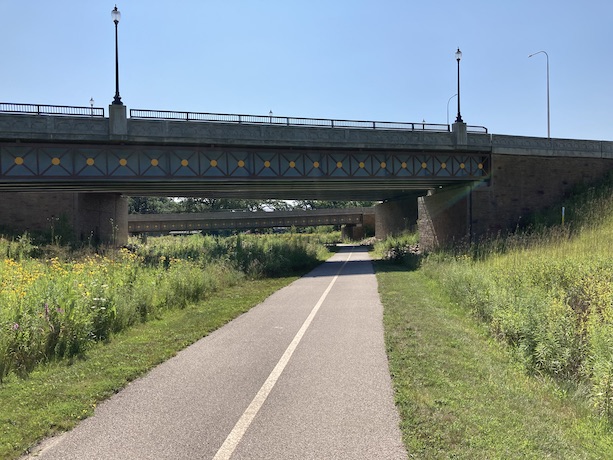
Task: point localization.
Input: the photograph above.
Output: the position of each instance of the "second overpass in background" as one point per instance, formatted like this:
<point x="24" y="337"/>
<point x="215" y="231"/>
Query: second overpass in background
<point x="165" y="223"/>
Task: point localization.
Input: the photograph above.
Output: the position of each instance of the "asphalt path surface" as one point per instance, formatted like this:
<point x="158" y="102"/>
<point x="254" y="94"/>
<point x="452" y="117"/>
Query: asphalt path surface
<point x="303" y="375"/>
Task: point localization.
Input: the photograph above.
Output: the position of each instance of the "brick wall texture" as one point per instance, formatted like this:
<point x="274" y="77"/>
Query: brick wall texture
<point x="520" y="186"/>
<point x="99" y="217"/>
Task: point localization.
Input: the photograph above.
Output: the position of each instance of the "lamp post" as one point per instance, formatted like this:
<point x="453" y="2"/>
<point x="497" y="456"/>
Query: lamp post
<point x="458" y="56"/>
<point x="91" y="105"/>
<point x="548" y="117"/>
<point x="116" y="16"/>
<point x="448" y="101"/>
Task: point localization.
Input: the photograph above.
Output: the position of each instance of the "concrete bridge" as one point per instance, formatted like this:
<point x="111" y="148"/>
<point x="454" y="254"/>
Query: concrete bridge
<point x="353" y="220"/>
<point x="452" y="182"/>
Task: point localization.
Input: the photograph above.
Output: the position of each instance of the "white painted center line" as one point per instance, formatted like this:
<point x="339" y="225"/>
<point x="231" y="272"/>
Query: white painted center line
<point x="229" y="446"/>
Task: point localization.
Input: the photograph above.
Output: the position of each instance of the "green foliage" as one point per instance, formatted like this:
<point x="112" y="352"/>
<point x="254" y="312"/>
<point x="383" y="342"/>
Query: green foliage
<point x="18" y="248"/>
<point x="547" y="293"/>
<point x="151" y="205"/>
<point x="160" y="205"/>
<point x="324" y="204"/>
<point x="403" y="249"/>
<point x="53" y="308"/>
<point x="56" y="396"/>
<point x="461" y="395"/>
<point x="252" y="255"/>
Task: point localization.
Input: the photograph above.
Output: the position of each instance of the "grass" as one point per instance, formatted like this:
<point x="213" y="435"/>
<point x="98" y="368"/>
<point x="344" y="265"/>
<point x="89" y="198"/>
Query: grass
<point x="77" y="326"/>
<point x="462" y="395"/>
<point x="549" y="296"/>
<point x="55" y="306"/>
<point x="56" y="396"/>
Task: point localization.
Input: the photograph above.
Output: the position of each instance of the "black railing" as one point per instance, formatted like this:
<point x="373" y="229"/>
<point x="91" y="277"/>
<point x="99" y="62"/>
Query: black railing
<point x="285" y="121"/>
<point x="39" y="109"/>
<point x="476" y="129"/>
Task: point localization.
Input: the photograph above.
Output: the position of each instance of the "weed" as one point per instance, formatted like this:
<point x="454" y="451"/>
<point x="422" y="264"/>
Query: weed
<point x="547" y="293"/>
<point x="57" y="306"/>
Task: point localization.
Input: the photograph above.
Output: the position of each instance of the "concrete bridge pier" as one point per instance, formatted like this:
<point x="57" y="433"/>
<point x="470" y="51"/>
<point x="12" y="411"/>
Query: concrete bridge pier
<point x="84" y="217"/>
<point x="352" y="232"/>
<point x="445" y="216"/>
<point x="103" y="217"/>
<point x="396" y="216"/>
<point x="442" y="217"/>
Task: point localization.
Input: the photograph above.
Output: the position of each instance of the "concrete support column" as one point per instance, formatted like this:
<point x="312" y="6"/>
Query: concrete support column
<point x="102" y="217"/>
<point x="352" y="232"/>
<point x="445" y="217"/>
<point x="368" y="222"/>
<point x="67" y="217"/>
<point x="395" y="217"/>
<point x="347" y="232"/>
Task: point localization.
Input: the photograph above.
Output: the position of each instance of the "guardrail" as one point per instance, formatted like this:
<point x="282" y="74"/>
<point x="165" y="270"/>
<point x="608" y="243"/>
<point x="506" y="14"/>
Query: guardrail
<point x="476" y="129"/>
<point x="285" y="121"/>
<point x="39" y="109"/>
<point x="62" y="110"/>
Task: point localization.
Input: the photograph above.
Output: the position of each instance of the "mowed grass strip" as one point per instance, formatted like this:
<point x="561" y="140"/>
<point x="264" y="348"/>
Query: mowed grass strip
<point x="56" y="397"/>
<point x="461" y="395"/>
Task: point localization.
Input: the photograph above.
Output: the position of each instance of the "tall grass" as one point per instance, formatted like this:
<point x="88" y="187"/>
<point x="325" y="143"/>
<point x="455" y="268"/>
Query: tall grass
<point x="253" y="255"/>
<point x="55" y="307"/>
<point x="549" y="294"/>
<point x="402" y="249"/>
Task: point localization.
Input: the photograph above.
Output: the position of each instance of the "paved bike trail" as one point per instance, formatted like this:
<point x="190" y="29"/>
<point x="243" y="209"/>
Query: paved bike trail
<point x="303" y="375"/>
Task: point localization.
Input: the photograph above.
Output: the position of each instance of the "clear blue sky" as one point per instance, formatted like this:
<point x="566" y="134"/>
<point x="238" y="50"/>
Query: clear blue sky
<point x="389" y="60"/>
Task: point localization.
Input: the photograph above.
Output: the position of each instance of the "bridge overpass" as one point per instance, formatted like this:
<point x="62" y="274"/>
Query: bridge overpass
<point x="186" y="154"/>
<point x="352" y="218"/>
<point x="452" y="182"/>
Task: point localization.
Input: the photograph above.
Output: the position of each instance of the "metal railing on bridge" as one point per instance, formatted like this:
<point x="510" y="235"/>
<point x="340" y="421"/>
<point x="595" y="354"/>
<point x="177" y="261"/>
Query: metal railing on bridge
<point x="292" y="121"/>
<point x="40" y="109"/>
<point x="146" y="114"/>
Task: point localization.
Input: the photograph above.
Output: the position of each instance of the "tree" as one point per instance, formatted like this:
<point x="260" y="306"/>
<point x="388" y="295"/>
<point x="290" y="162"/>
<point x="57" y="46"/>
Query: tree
<point x="150" y="205"/>
<point x="159" y="205"/>
<point x="323" y="204"/>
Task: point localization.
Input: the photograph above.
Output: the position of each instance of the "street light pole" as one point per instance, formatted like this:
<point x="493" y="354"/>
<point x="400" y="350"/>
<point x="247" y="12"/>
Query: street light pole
<point x="458" y="56"/>
<point x="116" y="16"/>
<point x="548" y="112"/>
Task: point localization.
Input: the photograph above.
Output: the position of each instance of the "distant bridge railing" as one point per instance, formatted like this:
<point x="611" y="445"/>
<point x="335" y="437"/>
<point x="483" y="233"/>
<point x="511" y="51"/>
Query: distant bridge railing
<point x="291" y="121"/>
<point x="39" y="109"/>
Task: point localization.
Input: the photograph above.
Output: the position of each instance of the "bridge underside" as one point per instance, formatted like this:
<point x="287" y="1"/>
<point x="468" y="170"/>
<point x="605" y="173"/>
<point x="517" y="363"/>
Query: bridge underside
<point x="241" y="172"/>
<point x="291" y="190"/>
<point x="88" y="182"/>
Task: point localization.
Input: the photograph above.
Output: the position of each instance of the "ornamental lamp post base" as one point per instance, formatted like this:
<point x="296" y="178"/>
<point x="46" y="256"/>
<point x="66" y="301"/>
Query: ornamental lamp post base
<point x="118" y="120"/>
<point x="461" y="136"/>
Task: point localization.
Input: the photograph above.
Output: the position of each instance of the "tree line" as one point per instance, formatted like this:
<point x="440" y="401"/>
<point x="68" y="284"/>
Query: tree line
<point x="162" y="205"/>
